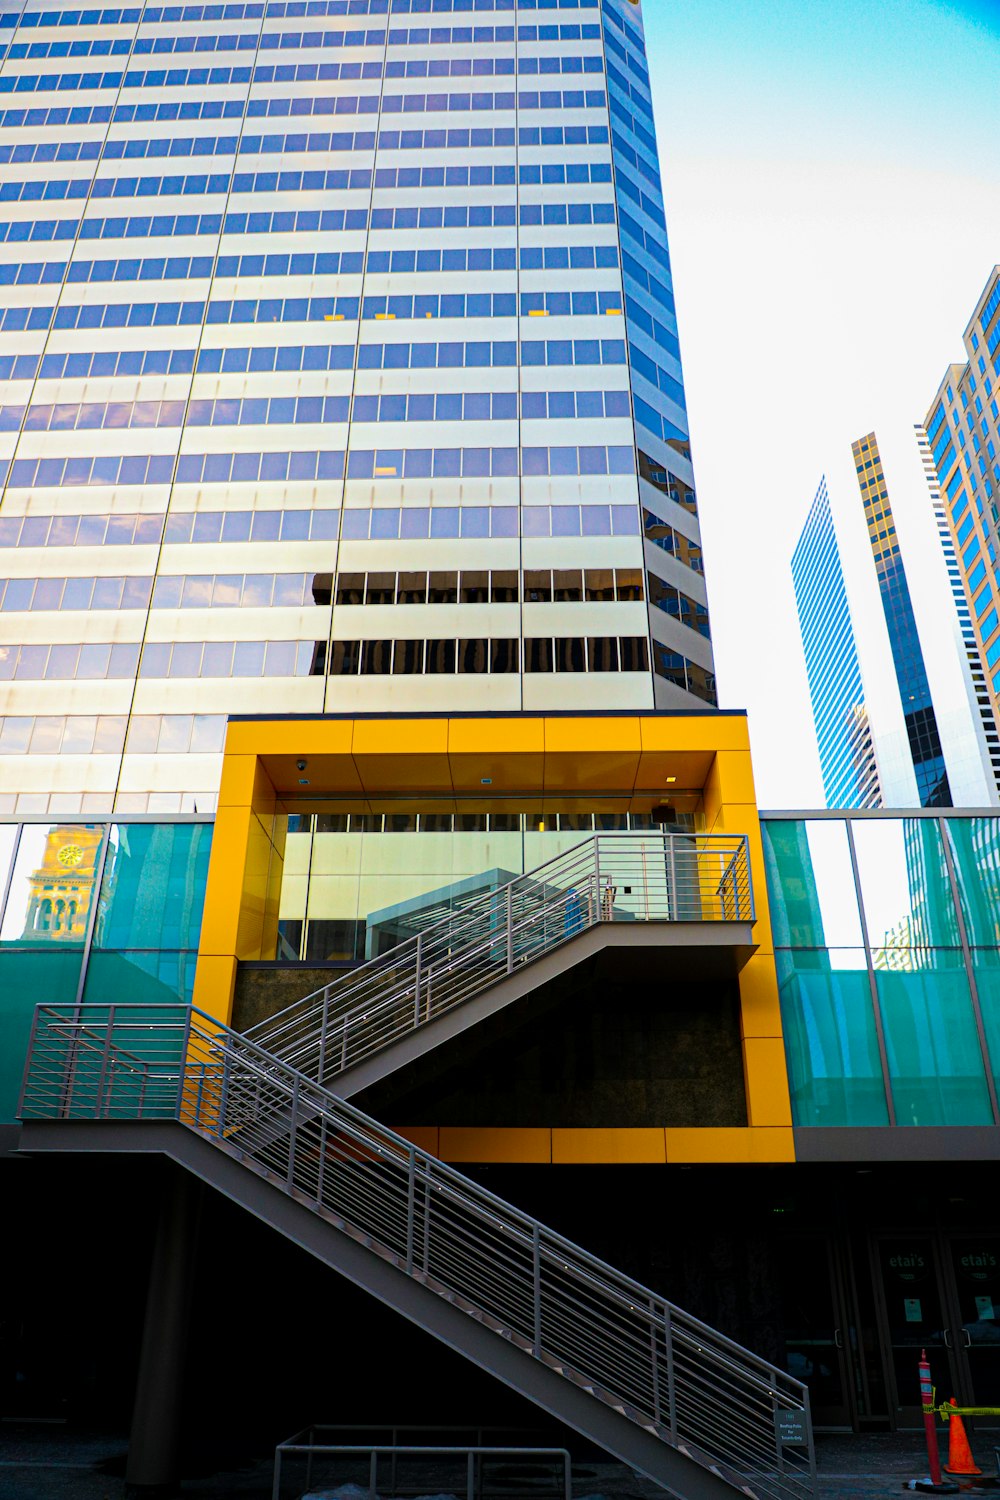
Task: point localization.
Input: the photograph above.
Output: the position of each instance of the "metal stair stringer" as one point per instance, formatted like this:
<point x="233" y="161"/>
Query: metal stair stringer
<point x="582" y="1408"/>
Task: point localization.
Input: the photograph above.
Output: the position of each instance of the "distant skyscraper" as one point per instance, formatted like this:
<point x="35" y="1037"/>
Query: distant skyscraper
<point x="978" y="681"/>
<point x="963" y="432"/>
<point x="843" y="734"/>
<point x="893" y="696"/>
<point x="907" y="657"/>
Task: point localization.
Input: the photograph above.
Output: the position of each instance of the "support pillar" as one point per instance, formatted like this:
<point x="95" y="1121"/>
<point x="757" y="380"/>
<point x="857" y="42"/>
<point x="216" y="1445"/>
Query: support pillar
<point x="154" y="1442"/>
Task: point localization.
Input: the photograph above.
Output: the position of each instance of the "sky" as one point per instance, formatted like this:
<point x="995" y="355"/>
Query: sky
<point x="832" y="181"/>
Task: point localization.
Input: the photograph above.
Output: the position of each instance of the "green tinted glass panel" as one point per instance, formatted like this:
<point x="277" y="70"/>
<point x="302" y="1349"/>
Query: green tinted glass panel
<point x="810" y="884"/>
<point x="986" y="967"/>
<point x="29" y="978"/>
<point x="904" y="883"/>
<point x="975" y="847"/>
<point x="52" y="886"/>
<point x="160" y="978"/>
<point x="935" y="1061"/>
<point x="834" y="1070"/>
<point x="153" y="890"/>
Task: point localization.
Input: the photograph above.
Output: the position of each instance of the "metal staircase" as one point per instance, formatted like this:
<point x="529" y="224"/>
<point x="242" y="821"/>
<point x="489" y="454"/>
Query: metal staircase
<point x="618" y="889"/>
<point x="668" y="1395"/>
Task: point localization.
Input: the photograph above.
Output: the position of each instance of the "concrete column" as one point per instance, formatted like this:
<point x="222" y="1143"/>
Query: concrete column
<point x="154" y="1442"/>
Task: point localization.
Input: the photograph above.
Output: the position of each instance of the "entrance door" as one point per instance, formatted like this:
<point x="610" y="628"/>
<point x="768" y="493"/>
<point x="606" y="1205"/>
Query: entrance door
<point x="974" y="1265"/>
<point x="816" y="1334"/>
<point x="914" y="1317"/>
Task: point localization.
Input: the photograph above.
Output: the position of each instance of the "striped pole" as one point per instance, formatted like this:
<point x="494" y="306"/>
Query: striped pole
<point x="927" y="1401"/>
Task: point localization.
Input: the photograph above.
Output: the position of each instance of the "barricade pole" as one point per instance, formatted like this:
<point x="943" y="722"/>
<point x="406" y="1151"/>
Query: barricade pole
<point x="927" y="1401"/>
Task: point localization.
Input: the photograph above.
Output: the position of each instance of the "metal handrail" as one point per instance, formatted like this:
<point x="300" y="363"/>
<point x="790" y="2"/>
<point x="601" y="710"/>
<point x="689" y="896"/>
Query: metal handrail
<point x="645" y="877"/>
<point x="473" y="1454"/>
<point x="623" y="1343"/>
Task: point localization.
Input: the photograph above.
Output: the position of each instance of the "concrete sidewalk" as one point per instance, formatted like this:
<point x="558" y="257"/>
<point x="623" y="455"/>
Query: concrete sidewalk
<point x="40" y="1462"/>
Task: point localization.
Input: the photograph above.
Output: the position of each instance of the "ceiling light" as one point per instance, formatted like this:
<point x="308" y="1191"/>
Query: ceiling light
<point x="486" y="781"/>
<point x="671" y="779"/>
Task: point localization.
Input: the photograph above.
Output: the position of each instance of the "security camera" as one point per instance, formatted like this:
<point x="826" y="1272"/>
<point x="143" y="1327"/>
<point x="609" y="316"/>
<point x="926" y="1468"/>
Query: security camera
<point x="300" y="765"/>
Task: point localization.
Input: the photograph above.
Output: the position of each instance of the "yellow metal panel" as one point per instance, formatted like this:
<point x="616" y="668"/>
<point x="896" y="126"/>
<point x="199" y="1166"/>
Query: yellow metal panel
<point x="735" y="772"/>
<point x="760" y="1011"/>
<point x="508" y="752"/>
<point x="586" y="752"/>
<point x="391" y="755"/>
<point x="729" y="1144"/>
<point x="627" y="1144"/>
<point x="767" y="1081"/>
<point x="425" y="1137"/>
<point x="693" y="732"/>
<point x="220" y="918"/>
<point x="488" y="1143"/>
<point x="214" y="982"/>
<point x="239" y="772"/>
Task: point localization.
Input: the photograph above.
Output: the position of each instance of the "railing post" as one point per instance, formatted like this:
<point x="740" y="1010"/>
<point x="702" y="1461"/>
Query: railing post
<point x="672" y="876"/>
<point x="655" y="1358"/>
<point x="322" y="1036"/>
<point x="220" y="1125"/>
<point x="105" y="1057"/>
<point x="373" y="1475"/>
<point x="536" y="1288"/>
<point x="597" y="874"/>
<point x="426" y="1250"/>
<point x="416" y="978"/>
<point x="510" y="929"/>
<point x="671" y="1383"/>
<point x="746" y="859"/>
<point x="411" y="1191"/>
<point x="292" y="1127"/>
<point x="470" y="1475"/>
<point x="32" y="1039"/>
<point x="321" y="1168"/>
<point x="182" y="1065"/>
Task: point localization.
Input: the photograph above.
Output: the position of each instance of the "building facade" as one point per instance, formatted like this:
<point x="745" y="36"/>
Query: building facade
<point x="962" y="427"/>
<point x="922" y="732"/>
<point x="978" y="682"/>
<point x="836" y="690"/>
<point x="382" y="410"/>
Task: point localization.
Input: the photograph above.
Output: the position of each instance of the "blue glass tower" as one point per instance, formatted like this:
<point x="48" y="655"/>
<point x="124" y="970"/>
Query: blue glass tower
<point x="843" y="734"/>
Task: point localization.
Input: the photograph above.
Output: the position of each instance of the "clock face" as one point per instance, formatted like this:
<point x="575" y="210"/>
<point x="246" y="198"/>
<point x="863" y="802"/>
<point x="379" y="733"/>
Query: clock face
<point x="70" y="856"/>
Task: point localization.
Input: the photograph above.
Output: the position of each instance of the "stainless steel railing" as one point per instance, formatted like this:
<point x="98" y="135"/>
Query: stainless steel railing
<point x="621" y="1342"/>
<point x="611" y="877"/>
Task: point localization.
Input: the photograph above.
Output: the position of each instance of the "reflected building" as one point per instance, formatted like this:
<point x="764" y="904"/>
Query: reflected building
<point x="60" y="891"/>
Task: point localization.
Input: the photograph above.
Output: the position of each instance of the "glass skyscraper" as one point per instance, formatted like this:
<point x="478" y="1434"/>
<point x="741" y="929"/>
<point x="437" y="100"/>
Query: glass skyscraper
<point x="339" y="372"/>
<point x="836" y="690"/>
<point x="904" y="642"/>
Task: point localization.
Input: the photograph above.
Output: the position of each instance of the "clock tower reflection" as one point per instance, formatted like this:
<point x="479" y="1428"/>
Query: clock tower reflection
<point x="60" y="891"/>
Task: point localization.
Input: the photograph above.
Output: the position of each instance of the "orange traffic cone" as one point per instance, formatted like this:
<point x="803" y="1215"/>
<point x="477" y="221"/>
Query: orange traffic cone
<point x="960" y="1460"/>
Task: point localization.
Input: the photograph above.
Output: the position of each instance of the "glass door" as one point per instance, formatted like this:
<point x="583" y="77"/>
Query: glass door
<point x="816" y="1336"/>
<point x="974" y="1262"/>
<point x="913" y="1318"/>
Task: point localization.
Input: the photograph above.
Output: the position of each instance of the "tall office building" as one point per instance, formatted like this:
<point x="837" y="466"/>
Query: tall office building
<point x="962" y="426"/>
<point x="339" y="372"/>
<point x="977" y="679"/>
<point x="904" y="643"/>
<point x="894" y="699"/>
<point x="836" y="690"/>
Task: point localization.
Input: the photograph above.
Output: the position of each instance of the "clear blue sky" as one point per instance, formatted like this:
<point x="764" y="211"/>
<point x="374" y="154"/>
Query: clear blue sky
<point x="832" y="178"/>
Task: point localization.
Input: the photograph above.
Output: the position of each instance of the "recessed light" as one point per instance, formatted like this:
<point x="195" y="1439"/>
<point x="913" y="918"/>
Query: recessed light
<point x="486" y="781"/>
<point x="303" y="781"/>
<point x="671" y="779"/>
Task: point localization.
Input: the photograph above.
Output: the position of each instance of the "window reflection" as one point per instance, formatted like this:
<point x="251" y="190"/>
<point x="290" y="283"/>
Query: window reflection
<point x="52" y="887"/>
<point x="904" y="883"/>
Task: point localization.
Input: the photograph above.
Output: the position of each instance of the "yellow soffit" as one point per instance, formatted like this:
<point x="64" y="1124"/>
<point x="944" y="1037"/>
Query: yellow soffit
<point x="558" y="755"/>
